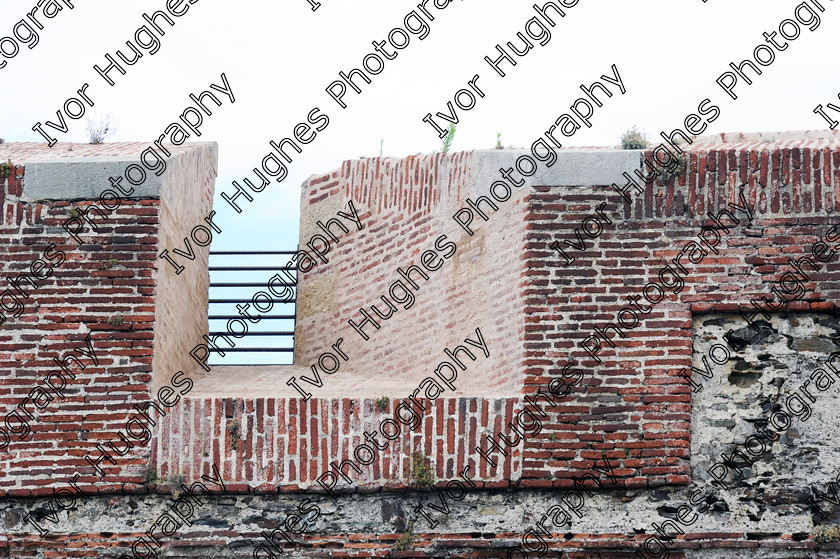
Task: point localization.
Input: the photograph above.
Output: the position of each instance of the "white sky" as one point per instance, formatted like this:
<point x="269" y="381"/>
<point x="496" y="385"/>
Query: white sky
<point x="280" y="56"/>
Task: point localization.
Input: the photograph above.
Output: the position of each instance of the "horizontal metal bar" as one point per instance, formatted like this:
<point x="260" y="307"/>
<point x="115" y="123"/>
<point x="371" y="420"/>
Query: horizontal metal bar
<point x="254" y="334"/>
<point x="262" y="349"/>
<point x="225" y="316"/>
<point x="251" y="284"/>
<point x="246" y="301"/>
<point x="223" y="364"/>
<point x="284" y="284"/>
<point x="230" y="252"/>
<point x="247" y="268"/>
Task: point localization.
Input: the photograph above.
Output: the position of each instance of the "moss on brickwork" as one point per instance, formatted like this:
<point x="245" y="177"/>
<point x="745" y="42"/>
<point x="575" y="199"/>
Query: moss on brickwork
<point x="825" y="534"/>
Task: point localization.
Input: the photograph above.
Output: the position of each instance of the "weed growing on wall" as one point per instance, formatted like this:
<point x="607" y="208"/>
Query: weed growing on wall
<point x="633" y="139"/>
<point x="421" y="472"/>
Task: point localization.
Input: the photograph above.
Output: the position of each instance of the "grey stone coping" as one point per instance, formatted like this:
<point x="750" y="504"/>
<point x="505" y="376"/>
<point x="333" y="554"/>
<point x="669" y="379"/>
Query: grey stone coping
<point x="86" y="177"/>
<point x="594" y="167"/>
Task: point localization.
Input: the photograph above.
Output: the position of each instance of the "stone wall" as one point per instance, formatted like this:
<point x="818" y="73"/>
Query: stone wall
<point x="649" y="423"/>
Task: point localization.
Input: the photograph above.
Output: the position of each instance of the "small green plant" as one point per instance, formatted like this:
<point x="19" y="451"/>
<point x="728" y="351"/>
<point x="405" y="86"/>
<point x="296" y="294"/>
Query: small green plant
<point x="825" y="534"/>
<point x="175" y="479"/>
<point x="633" y="139"/>
<point x="421" y="472"/>
<point x="6" y="168"/>
<point x="627" y="453"/>
<point x="382" y="403"/>
<point x="672" y="170"/>
<point x="447" y="140"/>
<point x="233" y="427"/>
<point x="110" y="264"/>
<point x="149" y="474"/>
<point x="116" y="320"/>
<point x="498" y="140"/>
<point x="406" y="539"/>
<point x="552" y="437"/>
<point x="75" y="212"/>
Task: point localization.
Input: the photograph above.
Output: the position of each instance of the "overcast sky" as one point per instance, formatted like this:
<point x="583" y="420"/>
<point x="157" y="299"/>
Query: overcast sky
<point x="280" y="56"/>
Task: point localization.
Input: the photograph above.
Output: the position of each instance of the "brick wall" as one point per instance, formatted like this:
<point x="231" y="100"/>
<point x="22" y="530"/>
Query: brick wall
<point x="109" y="289"/>
<point x="633" y="406"/>
<point x="405" y="205"/>
<point x="408" y="204"/>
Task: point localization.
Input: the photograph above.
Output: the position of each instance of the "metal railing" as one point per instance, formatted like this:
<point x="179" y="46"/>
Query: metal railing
<point x="270" y="341"/>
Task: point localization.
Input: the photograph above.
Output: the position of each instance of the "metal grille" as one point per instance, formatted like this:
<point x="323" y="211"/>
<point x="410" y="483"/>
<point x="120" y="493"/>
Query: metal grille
<point x="235" y="278"/>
